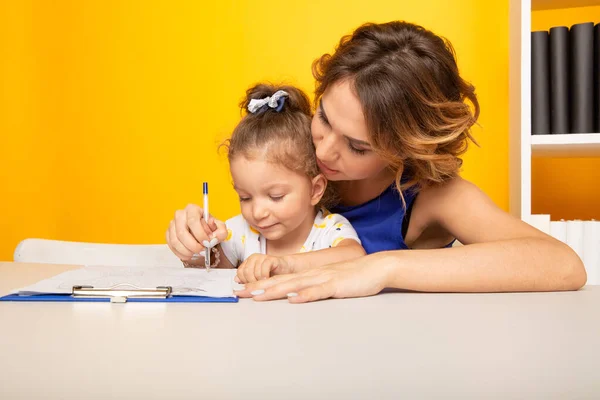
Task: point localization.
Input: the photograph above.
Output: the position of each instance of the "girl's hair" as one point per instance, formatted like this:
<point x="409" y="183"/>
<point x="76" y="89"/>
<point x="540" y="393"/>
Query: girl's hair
<point x="412" y="95"/>
<point x="280" y="137"/>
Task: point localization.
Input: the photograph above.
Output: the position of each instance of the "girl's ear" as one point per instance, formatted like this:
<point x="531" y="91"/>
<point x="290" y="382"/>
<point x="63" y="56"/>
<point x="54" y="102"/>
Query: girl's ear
<point x="319" y="184"/>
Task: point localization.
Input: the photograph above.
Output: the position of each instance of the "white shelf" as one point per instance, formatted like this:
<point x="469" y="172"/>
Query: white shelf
<point x="520" y="108"/>
<point x="524" y="146"/>
<point x="567" y="145"/>
<point x="557" y="4"/>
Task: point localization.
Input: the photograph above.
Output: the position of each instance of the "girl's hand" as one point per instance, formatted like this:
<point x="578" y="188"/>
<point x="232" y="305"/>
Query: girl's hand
<point x="364" y="276"/>
<point x="261" y="266"/>
<point x="188" y="233"/>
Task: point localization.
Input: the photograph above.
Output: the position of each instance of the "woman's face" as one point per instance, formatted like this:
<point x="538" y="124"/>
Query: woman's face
<point x="341" y="137"/>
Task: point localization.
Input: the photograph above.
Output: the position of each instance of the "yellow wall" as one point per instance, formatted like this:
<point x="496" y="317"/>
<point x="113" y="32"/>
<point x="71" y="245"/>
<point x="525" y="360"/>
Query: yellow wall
<point x="562" y="187"/>
<point x="110" y="112"/>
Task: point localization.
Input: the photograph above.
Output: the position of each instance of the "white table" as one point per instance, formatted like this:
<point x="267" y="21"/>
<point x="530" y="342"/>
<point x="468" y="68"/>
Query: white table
<point x="391" y="346"/>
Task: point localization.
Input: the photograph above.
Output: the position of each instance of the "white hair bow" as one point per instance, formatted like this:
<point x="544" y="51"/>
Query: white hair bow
<point x="271" y="101"/>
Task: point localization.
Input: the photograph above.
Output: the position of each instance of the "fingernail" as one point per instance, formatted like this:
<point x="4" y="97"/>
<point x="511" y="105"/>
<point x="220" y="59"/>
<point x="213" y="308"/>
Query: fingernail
<point x="292" y="294"/>
<point x="257" y="292"/>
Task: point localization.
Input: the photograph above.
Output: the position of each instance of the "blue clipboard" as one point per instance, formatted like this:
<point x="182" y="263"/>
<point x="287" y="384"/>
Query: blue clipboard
<point x="117" y="294"/>
<point x="70" y="298"/>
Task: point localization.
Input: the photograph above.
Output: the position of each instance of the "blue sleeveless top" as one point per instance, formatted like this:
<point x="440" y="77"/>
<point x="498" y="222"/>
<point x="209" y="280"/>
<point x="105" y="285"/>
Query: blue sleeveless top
<point x="379" y="221"/>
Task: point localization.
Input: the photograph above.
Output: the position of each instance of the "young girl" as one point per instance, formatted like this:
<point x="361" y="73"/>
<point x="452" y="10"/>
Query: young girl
<point x="274" y="170"/>
<point x="394" y="116"/>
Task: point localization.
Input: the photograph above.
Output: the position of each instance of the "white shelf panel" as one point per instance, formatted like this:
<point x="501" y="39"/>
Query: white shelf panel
<point x="567" y="145"/>
<point x="557" y="4"/>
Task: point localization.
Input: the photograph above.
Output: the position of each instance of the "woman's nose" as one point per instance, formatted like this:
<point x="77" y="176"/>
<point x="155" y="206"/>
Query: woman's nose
<point x="326" y="148"/>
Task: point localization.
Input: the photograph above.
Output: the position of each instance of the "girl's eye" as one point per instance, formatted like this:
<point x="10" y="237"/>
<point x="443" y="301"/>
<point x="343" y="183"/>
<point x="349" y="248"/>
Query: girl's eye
<point x="276" y="198"/>
<point x="242" y="199"/>
<point x="353" y="149"/>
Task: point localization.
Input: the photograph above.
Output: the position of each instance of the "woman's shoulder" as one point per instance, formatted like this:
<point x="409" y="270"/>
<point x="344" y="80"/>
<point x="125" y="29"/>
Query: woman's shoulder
<point x="453" y="190"/>
<point x="434" y="211"/>
<point x="437" y="203"/>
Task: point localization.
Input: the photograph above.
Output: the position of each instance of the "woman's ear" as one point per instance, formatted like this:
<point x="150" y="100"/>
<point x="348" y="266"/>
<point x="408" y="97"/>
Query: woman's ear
<point x="319" y="184"/>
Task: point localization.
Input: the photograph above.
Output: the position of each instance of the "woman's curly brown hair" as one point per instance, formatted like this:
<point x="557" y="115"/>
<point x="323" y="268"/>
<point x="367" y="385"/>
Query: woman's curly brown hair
<point x="413" y="98"/>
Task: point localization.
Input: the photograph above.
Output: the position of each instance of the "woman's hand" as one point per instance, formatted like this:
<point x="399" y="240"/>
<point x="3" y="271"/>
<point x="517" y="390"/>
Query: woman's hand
<point x="261" y="266"/>
<point x="188" y="233"/>
<point x="363" y="276"/>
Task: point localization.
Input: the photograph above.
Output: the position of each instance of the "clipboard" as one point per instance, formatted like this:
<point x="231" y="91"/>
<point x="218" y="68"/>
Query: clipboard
<point x="119" y="294"/>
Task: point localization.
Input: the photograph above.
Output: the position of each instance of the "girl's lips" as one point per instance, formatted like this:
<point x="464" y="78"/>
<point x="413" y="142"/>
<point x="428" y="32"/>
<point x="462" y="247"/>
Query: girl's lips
<point x="265" y="227"/>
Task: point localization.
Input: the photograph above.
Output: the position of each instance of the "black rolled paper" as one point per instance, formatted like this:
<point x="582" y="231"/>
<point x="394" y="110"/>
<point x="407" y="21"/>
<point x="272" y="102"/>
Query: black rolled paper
<point x="540" y="83"/>
<point x="597" y="76"/>
<point x="582" y="77"/>
<point x="559" y="79"/>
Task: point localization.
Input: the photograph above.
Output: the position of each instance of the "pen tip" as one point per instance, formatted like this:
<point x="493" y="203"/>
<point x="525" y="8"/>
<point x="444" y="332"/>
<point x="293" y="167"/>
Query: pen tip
<point x="205" y="188"/>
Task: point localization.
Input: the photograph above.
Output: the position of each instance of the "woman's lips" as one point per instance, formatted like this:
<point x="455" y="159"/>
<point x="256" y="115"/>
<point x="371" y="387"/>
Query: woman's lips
<point x="325" y="168"/>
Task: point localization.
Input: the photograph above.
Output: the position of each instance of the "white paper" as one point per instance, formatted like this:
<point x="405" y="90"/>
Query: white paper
<point x="591" y="251"/>
<point x="184" y="281"/>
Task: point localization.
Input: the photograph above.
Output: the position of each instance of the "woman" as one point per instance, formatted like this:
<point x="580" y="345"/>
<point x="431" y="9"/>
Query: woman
<point x="392" y="113"/>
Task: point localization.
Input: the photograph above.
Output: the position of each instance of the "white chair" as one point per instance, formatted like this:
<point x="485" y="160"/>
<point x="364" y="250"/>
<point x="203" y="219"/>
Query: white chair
<point x="81" y="253"/>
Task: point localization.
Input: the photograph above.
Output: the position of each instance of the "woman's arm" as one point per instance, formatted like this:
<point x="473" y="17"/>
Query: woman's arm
<point x="527" y="264"/>
<point x="500" y="254"/>
<point x="347" y="249"/>
<point x="261" y="266"/>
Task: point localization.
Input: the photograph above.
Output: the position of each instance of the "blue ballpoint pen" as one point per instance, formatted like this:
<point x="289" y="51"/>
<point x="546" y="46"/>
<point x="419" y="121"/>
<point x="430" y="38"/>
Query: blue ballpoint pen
<point x="207" y="249"/>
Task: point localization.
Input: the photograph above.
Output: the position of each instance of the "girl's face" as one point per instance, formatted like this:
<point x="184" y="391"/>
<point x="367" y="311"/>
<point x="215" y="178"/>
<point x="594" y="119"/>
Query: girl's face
<point x="341" y="137"/>
<point x="274" y="200"/>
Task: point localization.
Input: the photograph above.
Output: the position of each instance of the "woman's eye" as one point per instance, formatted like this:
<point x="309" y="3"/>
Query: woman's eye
<point x="322" y="118"/>
<point x="356" y="151"/>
